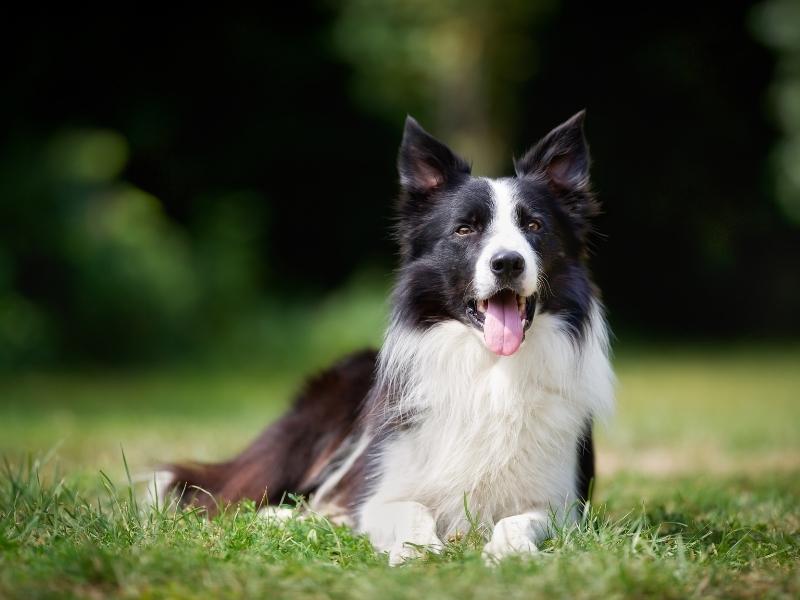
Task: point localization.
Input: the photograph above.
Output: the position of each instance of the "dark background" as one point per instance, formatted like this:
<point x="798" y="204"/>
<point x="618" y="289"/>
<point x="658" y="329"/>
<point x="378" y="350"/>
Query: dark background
<point x="169" y="181"/>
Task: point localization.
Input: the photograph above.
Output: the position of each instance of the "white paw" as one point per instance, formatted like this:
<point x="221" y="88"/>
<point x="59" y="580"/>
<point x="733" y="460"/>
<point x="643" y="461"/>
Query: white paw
<point x="278" y="514"/>
<point x="405" y="529"/>
<point x="403" y="551"/>
<point x="512" y="535"/>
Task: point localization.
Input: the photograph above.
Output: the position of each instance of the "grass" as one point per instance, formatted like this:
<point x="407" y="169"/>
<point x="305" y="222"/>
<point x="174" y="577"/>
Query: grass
<point x="698" y="492"/>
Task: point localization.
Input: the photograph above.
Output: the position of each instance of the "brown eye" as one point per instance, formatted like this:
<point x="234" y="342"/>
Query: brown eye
<point x="464" y="230"/>
<point x="535" y="225"/>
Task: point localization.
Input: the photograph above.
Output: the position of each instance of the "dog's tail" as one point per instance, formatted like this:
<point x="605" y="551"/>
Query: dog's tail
<point x="197" y="484"/>
<point x="291" y="454"/>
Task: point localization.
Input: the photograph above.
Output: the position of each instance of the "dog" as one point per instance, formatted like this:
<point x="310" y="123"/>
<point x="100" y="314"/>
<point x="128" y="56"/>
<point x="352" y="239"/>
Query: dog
<point x="480" y="403"/>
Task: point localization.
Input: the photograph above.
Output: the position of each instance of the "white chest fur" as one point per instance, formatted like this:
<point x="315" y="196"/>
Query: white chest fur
<point x="498" y="432"/>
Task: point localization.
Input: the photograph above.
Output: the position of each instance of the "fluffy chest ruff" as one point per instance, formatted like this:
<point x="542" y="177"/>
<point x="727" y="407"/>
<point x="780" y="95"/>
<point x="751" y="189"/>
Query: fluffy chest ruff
<point x="498" y="433"/>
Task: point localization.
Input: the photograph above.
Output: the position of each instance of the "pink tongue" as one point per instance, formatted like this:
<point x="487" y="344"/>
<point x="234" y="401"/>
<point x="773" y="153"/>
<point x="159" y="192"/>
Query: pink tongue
<point x="502" y="327"/>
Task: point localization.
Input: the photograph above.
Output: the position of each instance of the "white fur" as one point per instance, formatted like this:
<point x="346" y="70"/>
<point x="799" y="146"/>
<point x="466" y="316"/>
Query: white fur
<point x="500" y="433"/>
<point x="402" y="528"/>
<point x="277" y="514"/>
<point x="517" y="535"/>
<point x="504" y="234"/>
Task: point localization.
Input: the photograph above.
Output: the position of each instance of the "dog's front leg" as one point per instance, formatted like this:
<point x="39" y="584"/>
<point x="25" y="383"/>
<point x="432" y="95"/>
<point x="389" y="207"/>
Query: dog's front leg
<point x="518" y="534"/>
<point x="403" y="529"/>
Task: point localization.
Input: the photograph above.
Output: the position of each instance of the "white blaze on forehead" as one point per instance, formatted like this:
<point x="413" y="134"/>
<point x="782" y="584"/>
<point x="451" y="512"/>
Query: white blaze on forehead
<point x="504" y="233"/>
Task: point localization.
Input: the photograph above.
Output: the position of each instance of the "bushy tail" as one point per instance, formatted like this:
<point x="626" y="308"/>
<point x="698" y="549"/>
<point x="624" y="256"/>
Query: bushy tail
<point x="197" y="484"/>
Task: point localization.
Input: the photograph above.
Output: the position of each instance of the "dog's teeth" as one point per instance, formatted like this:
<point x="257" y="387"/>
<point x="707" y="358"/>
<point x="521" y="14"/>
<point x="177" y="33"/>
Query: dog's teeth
<point x="482" y="306"/>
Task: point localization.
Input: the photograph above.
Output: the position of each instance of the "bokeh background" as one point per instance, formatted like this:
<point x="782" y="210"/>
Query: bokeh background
<point x="194" y="208"/>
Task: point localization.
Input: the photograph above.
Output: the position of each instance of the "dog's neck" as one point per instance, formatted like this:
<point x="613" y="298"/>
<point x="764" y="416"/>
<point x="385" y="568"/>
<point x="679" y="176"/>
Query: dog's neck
<point x="447" y="369"/>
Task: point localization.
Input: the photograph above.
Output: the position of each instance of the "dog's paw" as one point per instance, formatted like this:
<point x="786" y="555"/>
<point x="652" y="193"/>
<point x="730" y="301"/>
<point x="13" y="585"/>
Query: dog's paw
<point x="278" y="514"/>
<point x="512" y="535"/>
<point x="403" y="551"/>
<point x="422" y="538"/>
<point x="413" y="533"/>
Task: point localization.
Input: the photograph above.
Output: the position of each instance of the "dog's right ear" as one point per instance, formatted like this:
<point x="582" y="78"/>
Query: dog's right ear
<point x="425" y="164"/>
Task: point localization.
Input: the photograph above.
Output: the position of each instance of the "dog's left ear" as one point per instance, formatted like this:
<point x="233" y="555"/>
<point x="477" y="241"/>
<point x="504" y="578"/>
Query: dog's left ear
<point x="561" y="157"/>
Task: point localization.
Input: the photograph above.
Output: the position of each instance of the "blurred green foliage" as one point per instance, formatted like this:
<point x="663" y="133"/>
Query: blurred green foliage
<point x="456" y="64"/>
<point x="777" y="23"/>
<point x="115" y="277"/>
<point x="122" y="281"/>
<point x="224" y="192"/>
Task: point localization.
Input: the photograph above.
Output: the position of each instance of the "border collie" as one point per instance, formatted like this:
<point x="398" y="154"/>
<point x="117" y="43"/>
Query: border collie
<point x="493" y="367"/>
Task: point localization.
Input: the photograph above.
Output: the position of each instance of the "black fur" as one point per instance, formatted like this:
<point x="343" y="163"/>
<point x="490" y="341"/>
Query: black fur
<point x="585" y="465"/>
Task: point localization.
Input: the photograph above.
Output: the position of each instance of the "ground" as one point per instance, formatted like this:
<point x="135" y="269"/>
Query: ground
<point x="698" y="491"/>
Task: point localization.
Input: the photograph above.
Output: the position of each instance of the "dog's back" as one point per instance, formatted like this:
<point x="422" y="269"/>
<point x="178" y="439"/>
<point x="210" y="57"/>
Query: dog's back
<point x="292" y="455"/>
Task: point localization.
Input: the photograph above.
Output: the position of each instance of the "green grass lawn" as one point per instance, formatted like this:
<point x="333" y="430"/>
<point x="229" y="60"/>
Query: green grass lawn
<point x="698" y="492"/>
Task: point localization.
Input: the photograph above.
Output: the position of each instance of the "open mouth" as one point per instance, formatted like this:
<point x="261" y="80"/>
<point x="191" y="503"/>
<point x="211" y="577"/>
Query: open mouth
<point x="503" y="317"/>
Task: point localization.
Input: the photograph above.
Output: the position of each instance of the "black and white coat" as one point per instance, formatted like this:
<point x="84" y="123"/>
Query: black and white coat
<point x="442" y="417"/>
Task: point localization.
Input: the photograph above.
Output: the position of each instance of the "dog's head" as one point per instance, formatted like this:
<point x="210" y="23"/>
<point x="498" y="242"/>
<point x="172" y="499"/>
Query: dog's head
<point x="486" y="251"/>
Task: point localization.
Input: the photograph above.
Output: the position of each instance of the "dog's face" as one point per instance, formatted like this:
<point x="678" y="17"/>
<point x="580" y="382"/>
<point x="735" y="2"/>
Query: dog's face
<point x="483" y="251"/>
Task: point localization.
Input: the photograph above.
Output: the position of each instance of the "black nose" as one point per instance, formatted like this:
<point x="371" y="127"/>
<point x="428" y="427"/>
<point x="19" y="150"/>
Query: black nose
<point x="507" y="264"/>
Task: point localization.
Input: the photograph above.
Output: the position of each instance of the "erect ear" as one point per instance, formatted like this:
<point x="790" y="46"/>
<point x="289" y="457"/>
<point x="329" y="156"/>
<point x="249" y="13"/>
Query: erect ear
<point x="425" y="164"/>
<point x="561" y="157"/>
